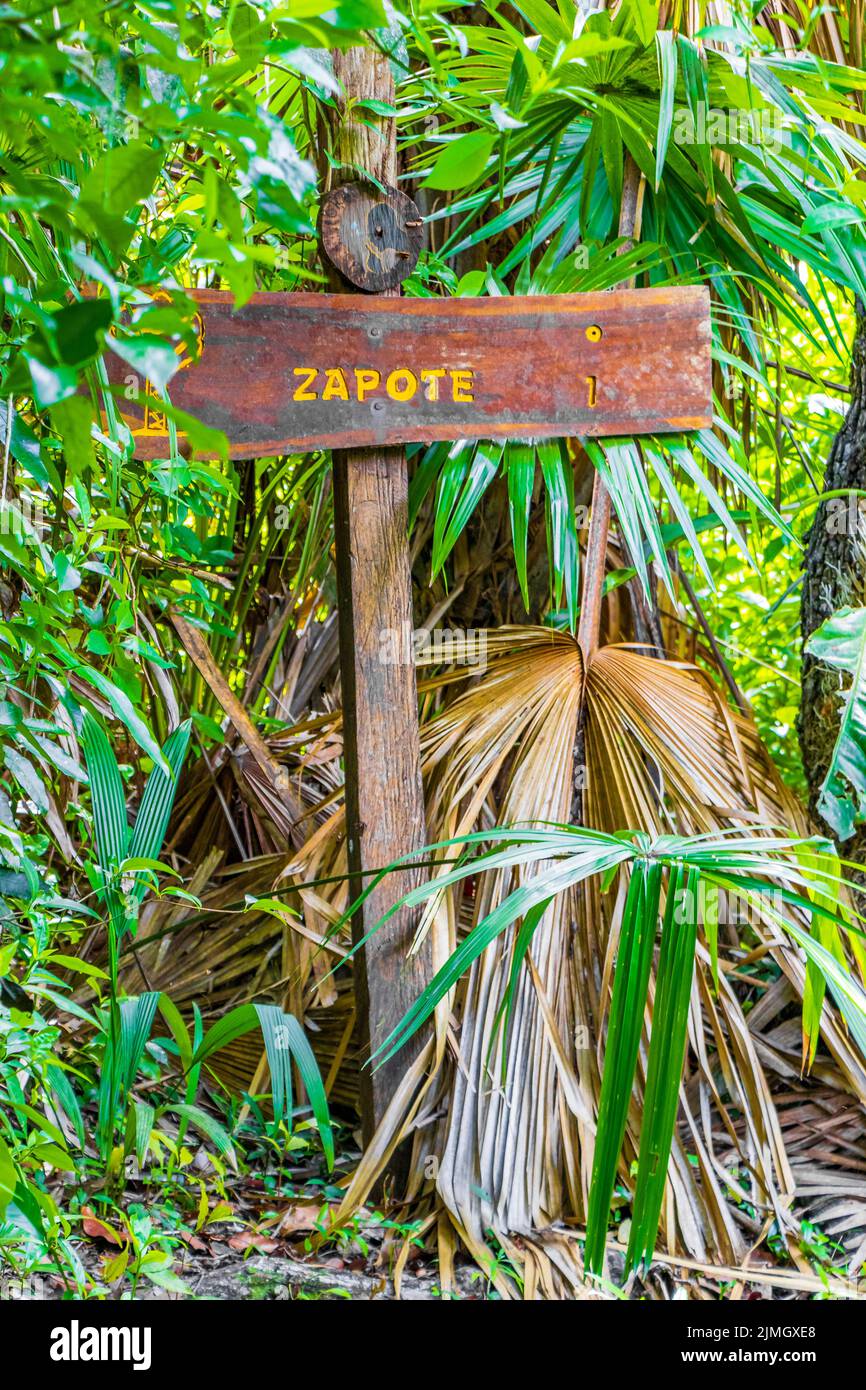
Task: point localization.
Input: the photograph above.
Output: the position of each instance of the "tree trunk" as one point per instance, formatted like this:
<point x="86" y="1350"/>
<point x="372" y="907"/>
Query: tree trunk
<point x="384" y="794"/>
<point x="834" y="575"/>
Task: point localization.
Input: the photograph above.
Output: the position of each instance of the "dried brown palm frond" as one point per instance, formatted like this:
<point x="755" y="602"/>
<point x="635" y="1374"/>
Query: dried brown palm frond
<point x="663" y="752"/>
<point x="513" y="1147"/>
<point x="701" y="767"/>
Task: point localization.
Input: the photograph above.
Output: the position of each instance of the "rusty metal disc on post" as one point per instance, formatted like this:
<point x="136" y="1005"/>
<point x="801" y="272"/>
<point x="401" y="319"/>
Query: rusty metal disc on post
<point x="372" y="237"/>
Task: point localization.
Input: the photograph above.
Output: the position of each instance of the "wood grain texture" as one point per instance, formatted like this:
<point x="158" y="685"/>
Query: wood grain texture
<point x="623" y="362"/>
<point x="385" y="816"/>
<point x="372" y="238"/>
<point x="384" y="794"/>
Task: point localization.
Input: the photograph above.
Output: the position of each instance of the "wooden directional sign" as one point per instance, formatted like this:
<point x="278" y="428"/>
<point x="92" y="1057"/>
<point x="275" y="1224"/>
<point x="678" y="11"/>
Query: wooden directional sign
<point x="303" y="371"/>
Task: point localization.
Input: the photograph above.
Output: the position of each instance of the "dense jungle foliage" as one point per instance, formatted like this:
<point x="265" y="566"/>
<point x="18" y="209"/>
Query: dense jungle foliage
<point x="617" y="1060"/>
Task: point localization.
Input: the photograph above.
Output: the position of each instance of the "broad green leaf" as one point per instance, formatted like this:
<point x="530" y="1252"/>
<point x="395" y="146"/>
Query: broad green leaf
<point x="284" y="1037"/>
<point x="73" y="420"/>
<point x="136" y="1022"/>
<point x="27" y="777"/>
<point x="8" y="1176"/>
<point x="827" y="933"/>
<point x="107" y="794"/>
<point x="841" y="642"/>
<point x="462" y="161"/>
<point x="152" y="357"/>
<point x="627" y="1007"/>
<point x="139" y="1126"/>
<point x="666" y="1053"/>
<point x="122" y="177"/>
<point x="178" y="1028"/>
<point x="520" y="472"/>
<point x="154" y="812"/>
<point x="666" y="47"/>
<point x="63" y="1095"/>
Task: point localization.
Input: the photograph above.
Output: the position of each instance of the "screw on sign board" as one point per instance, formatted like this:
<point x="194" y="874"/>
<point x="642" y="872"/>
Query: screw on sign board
<point x="373" y="237"/>
<point x="307" y="371"/>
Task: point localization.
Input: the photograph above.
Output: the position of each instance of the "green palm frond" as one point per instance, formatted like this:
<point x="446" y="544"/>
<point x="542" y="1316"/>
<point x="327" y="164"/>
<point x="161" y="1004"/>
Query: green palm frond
<point x="558" y="858"/>
<point x="750" y="156"/>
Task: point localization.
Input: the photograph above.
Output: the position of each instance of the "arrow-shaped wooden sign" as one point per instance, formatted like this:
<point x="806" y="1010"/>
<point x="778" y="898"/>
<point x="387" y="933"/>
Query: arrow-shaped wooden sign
<point x="306" y="371"/>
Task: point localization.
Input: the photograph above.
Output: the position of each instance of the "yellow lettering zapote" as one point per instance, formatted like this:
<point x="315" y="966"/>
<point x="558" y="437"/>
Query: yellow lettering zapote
<point x="401" y="385"/>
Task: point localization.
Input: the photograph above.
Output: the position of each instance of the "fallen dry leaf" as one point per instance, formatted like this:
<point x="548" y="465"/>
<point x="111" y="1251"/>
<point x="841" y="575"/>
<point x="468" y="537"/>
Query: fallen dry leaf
<point x="303" y="1217"/>
<point x="99" y="1230"/>
<point x="246" y="1240"/>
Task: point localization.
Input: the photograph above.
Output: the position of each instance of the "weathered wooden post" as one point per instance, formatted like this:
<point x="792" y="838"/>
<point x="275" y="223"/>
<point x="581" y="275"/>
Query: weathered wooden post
<point x="384" y="795"/>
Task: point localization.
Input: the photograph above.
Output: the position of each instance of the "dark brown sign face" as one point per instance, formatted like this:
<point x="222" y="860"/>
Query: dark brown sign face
<point x="305" y="371"/>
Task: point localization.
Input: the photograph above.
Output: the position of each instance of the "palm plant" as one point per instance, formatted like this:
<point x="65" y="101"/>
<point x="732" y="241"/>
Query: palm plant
<point x="510" y="1112"/>
<point x="764" y="209"/>
<point x="542" y="125"/>
<point x="551" y="860"/>
<point x="127" y="864"/>
<point x="556" y="150"/>
<point x="553" y="117"/>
